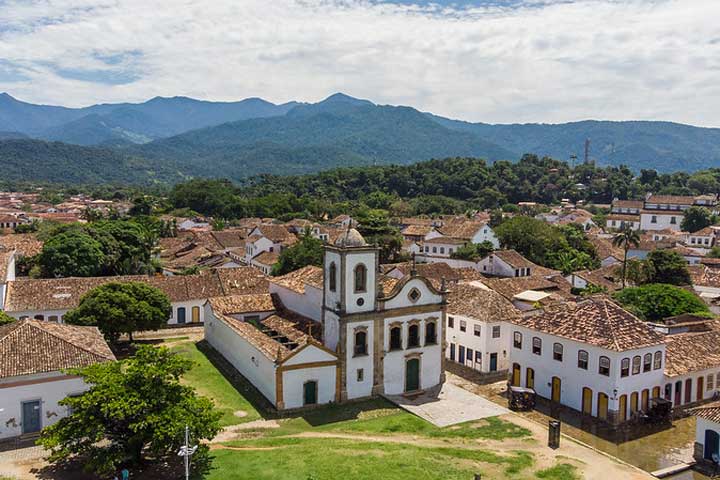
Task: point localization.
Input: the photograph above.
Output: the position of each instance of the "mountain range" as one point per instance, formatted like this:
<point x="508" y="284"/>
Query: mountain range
<point x="168" y="139"/>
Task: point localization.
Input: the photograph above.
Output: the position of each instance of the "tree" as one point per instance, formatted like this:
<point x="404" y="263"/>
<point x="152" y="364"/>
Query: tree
<point x="5" y="318"/>
<point x="71" y="253"/>
<point x="696" y="218"/>
<point x="117" y="308"/>
<point x="308" y="251"/>
<point x="667" y="266"/>
<point x="134" y="408"/>
<point x="473" y="251"/>
<point x="626" y="239"/>
<point x="658" y="301"/>
<point x="714" y="252"/>
<point x="374" y="226"/>
<point x="532" y="238"/>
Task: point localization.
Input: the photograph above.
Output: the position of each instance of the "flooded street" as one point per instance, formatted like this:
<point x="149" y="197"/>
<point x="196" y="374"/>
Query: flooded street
<point x="649" y="448"/>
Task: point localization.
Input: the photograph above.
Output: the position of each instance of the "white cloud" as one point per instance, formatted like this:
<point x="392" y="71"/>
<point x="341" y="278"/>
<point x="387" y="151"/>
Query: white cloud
<point x="537" y="61"/>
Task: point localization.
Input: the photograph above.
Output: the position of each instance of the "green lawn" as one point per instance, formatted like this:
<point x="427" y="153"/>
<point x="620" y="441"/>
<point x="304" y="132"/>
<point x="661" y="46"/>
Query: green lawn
<point x="208" y="381"/>
<point x="414" y="450"/>
<point x="321" y="459"/>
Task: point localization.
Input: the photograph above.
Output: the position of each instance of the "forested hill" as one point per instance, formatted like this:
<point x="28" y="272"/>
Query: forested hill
<point x="35" y="160"/>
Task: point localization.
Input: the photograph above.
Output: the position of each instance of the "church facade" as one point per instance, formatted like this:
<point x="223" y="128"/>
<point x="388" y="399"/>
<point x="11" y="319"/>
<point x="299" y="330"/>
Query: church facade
<point x="363" y="334"/>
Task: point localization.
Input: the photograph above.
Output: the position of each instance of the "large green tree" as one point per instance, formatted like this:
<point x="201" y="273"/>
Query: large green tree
<point x="473" y="251"/>
<point x="696" y="218"/>
<point x="71" y="253"/>
<point x="533" y="238"/>
<point x="374" y="225"/>
<point x="658" y="301"/>
<point x="135" y="409"/>
<point x="122" y="308"/>
<point x="308" y="251"/>
<point x="5" y="318"/>
<point x="666" y="266"/>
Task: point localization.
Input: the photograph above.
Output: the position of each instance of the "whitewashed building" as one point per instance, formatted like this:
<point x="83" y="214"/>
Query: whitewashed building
<point x="32" y="378"/>
<point x="478" y="328"/>
<point x="707" y="434"/>
<point x="385" y="335"/>
<point x="592" y="356"/>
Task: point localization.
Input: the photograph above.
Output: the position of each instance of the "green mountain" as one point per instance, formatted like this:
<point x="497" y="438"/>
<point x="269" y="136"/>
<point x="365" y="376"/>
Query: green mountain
<point x="37" y="160"/>
<point x="340" y="130"/>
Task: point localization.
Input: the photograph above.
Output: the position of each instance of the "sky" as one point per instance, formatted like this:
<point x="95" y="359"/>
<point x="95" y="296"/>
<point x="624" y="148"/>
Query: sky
<point x="496" y="61"/>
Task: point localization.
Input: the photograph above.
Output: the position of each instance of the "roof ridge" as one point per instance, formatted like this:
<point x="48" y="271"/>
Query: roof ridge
<point x="37" y="323"/>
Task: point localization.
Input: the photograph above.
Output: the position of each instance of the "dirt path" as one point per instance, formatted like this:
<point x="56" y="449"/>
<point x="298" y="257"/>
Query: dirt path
<point x="233" y="432"/>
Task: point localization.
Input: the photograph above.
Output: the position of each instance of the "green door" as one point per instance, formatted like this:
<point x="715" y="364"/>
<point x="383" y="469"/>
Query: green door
<point x="310" y="393"/>
<point x="412" y="375"/>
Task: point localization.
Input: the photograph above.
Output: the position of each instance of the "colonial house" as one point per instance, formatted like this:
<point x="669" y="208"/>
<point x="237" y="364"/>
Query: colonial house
<point x="666" y="211"/>
<point x="478" y="328"/>
<point x="346" y="330"/>
<point x="265" y="261"/>
<point x="34" y="357"/>
<point x="441" y="247"/>
<point x="526" y="293"/>
<point x="592" y="356"/>
<point x="509" y="263"/>
<point x="10" y="222"/>
<point x="471" y="231"/>
<point x="267" y="238"/>
<point x="702" y="239"/>
<point x="624" y="213"/>
<point x="416" y="233"/>
<point x="603" y="277"/>
<point x="51" y="298"/>
<point x="608" y="253"/>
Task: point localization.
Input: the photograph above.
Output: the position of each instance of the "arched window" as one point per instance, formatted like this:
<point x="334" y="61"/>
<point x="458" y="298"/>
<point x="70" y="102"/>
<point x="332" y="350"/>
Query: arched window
<point x="360" y="278"/>
<point x="583" y="359"/>
<point x="647" y="362"/>
<point x="360" y="342"/>
<point x="413" y="336"/>
<point x="625" y="367"/>
<point x="537" y="346"/>
<point x="395" y="338"/>
<point x="517" y="340"/>
<point x="604" y="366"/>
<point x="558" y="352"/>
<point x="332" y="277"/>
<point x="658" y="360"/>
<point x="636" y="365"/>
<point x="430" y="333"/>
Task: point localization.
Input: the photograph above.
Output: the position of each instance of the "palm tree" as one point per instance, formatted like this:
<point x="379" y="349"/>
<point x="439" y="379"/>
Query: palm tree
<point x="625" y="239"/>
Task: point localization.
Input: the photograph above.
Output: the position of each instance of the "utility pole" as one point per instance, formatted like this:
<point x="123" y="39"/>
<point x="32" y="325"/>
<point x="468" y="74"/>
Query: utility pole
<point x="573" y="159"/>
<point x="186" y="451"/>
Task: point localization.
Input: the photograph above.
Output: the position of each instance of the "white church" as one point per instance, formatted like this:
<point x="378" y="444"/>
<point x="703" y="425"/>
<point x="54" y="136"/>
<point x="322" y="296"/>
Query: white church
<point x="336" y="333"/>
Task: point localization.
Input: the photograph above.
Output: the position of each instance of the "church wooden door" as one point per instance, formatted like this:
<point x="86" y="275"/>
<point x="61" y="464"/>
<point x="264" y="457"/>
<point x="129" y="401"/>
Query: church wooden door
<point x="412" y="375"/>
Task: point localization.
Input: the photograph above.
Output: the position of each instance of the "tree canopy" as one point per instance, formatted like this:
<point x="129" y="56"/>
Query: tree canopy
<point x="666" y="266"/>
<point x="135" y="409"/>
<point x="473" y="251"/>
<point x="117" y="308"/>
<point x="5" y="318"/>
<point x="696" y="218"/>
<point x="308" y="251"/>
<point x="658" y="301"/>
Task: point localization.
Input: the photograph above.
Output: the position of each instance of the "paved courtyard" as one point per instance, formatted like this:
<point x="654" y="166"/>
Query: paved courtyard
<point x="448" y="405"/>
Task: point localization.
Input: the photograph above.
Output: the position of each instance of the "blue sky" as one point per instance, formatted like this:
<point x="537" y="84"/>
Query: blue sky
<point x="492" y="61"/>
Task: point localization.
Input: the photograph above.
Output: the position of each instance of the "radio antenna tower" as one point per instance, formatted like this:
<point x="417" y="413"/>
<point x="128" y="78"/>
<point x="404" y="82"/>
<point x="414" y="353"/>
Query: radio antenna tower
<point x="587" y="150"/>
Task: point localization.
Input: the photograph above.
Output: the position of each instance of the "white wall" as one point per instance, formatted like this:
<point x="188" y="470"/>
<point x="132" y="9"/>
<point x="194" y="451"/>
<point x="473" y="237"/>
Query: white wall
<point x="352" y="259"/>
<point x="402" y="300"/>
<point x="247" y="359"/>
<point x="50" y="393"/>
<point x="694" y="377"/>
<point x="486" y="234"/>
<point x="573" y="378"/>
<point x="308" y="305"/>
<point x="485" y="343"/>
<point x="702" y="424"/>
<point x="363" y="388"/>
<point x="453" y="262"/>
<point x="664" y="220"/>
<point x="294" y="382"/>
<point x="430" y="363"/>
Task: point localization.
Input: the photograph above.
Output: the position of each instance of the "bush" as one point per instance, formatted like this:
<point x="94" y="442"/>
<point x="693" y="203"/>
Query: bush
<point x="658" y="301"/>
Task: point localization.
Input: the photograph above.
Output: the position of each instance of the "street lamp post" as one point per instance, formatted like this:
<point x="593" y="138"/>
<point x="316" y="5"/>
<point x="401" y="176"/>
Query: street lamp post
<point x="186" y="451"/>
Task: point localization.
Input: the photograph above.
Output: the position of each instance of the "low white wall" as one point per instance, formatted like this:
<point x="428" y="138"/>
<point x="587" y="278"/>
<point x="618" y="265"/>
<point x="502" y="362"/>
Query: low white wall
<point x="49" y="392"/>
<point x="294" y="383"/>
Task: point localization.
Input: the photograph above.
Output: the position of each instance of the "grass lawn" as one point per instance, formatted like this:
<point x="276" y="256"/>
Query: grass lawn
<point x="561" y="471"/>
<point x="208" y="381"/>
<point x="320" y="459"/>
<point x="414" y="449"/>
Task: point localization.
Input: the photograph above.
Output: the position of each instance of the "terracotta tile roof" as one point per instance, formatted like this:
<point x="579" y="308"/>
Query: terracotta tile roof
<point x="509" y="287"/>
<point x="468" y="274"/>
<point x="605" y="248"/>
<point x="5" y="256"/>
<point x="601" y="277"/>
<point x="486" y="305"/>
<point x="234" y="304"/>
<point x="298" y="279"/>
<point x="623" y="217"/>
<point x="65" y="293"/>
<point x="26" y="244"/>
<point x="387" y="284"/>
<point x="416" y="221"/>
<point x="703" y="276"/>
<point x="514" y="259"/>
<point x="30" y="346"/>
<point x="278" y="234"/>
<point x="432" y="271"/>
<point x="671" y="199"/>
<point x="628" y="203"/>
<point x="417" y="230"/>
<point x="232" y="238"/>
<point x="464" y="229"/>
<point x="596" y="321"/>
<point x="705" y="232"/>
<point x="267" y="258"/>
<point x="691" y="352"/>
<point x="709" y="411"/>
